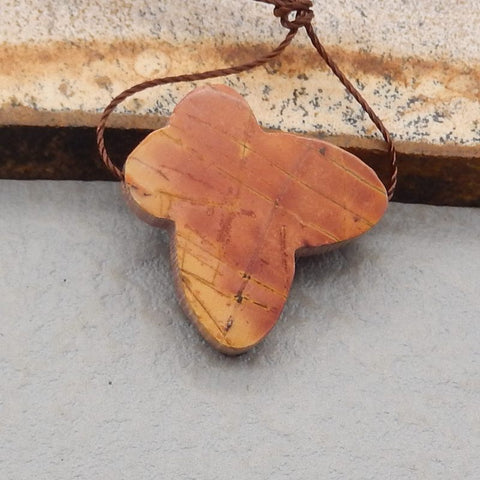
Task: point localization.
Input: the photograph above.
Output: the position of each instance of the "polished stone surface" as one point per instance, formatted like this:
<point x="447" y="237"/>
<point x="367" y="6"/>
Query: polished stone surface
<point x="372" y="371"/>
<point x="241" y="204"/>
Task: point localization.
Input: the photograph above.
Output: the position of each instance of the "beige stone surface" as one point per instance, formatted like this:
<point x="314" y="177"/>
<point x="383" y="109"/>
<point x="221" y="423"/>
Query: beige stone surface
<point x="418" y="63"/>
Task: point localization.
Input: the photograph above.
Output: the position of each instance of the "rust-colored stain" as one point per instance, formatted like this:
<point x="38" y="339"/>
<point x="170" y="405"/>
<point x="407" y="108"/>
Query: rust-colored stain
<point x="31" y="60"/>
<point x="243" y="203"/>
<point x="68" y="84"/>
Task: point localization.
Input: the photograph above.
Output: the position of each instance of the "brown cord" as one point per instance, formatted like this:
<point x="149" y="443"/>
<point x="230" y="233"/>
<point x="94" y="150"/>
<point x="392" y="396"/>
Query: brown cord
<point x="293" y="14"/>
<point x="177" y="79"/>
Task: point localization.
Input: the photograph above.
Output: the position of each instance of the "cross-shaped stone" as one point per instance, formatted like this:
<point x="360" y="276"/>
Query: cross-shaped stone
<point x="241" y="203"/>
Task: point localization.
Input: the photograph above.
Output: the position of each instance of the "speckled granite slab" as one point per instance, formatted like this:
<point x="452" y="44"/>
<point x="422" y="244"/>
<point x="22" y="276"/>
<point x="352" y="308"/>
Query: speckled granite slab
<point x="417" y="62"/>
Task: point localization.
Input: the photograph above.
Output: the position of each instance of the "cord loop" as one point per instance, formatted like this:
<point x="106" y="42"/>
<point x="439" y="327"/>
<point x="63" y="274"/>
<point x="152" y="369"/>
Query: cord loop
<point x="285" y="9"/>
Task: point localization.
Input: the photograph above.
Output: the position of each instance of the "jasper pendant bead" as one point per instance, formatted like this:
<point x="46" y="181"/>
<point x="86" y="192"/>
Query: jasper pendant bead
<point x="240" y="204"/>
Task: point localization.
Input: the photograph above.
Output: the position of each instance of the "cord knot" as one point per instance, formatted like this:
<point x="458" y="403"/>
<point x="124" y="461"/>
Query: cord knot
<point x="285" y="9"/>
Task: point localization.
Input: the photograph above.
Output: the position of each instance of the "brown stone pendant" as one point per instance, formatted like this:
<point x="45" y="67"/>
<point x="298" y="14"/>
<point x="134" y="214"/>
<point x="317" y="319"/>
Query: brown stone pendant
<point x="241" y="204"/>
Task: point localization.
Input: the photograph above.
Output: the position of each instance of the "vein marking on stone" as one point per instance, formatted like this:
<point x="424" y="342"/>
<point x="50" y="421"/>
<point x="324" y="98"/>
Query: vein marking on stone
<point x="249" y="187"/>
<point x="310" y="225"/>
<point x="141" y="162"/>
<point x="185" y="283"/>
<point x="258" y="304"/>
<point x="273" y="213"/>
<point x="203" y="261"/>
<point x="286" y="172"/>
<point x="179" y="171"/>
<point x="200" y="247"/>
<point x="356" y="175"/>
<point x="176" y="140"/>
<point x="204" y="282"/>
<point x="242" y="142"/>
<point x="323" y="195"/>
<point x="269" y="287"/>
<point x="271" y="202"/>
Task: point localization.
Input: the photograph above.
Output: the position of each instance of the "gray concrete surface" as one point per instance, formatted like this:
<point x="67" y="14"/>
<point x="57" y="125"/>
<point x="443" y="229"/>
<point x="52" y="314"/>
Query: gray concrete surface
<point x="373" y="371"/>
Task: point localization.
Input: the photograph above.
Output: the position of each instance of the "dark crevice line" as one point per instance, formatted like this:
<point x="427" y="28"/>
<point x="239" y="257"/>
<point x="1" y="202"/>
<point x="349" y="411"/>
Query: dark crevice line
<point x="70" y="153"/>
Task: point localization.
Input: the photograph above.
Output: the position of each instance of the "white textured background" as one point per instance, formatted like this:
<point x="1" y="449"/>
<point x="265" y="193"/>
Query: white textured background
<point x="408" y="27"/>
<point x="373" y="371"/>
